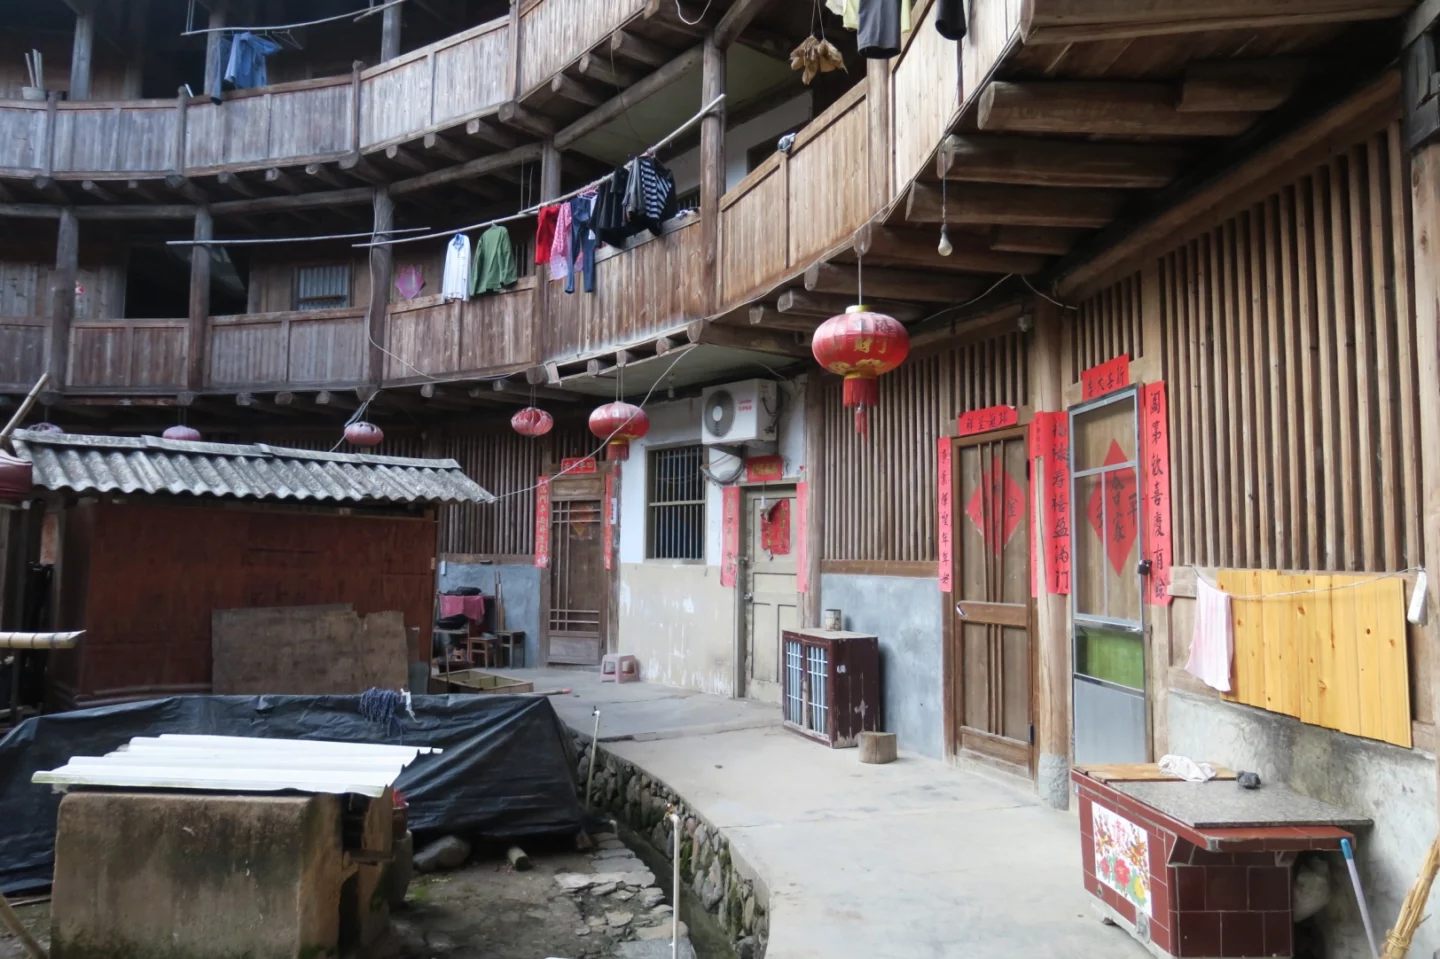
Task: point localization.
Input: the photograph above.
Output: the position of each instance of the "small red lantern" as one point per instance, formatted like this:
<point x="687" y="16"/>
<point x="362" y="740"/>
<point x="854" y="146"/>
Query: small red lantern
<point x="861" y="345"/>
<point x="362" y="433"/>
<point x="532" y="422"/>
<point x="45" y="428"/>
<point x="182" y="432"/>
<point x="618" y="424"/>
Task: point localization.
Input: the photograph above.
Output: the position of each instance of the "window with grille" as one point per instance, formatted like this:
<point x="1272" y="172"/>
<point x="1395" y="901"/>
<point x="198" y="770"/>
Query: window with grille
<point x="675" y="513"/>
<point x="325" y="287"/>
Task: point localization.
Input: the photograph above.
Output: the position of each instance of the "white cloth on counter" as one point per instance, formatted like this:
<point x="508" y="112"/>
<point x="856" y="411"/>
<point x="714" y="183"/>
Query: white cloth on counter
<point x="1183" y="767"/>
<point x="1213" y="646"/>
<point x="456" y="283"/>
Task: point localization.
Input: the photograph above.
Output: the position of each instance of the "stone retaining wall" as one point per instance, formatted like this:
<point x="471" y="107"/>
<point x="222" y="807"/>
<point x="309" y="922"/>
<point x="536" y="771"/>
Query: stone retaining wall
<point x="737" y="900"/>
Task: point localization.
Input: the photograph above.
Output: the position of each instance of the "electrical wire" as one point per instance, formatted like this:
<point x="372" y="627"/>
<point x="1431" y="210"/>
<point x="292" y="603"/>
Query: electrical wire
<point x="1046" y="296"/>
<point x="363" y="13"/>
<point x="1306" y="592"/>
<point x="691" y="23"/>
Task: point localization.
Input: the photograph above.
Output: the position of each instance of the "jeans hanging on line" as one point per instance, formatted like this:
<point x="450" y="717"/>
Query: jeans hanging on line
<point x="582" y="242"/>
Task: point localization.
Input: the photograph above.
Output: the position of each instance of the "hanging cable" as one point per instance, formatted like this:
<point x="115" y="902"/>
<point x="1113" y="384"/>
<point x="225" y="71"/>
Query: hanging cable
<point x="363" y="13"/>
<point x="691" y="23"/>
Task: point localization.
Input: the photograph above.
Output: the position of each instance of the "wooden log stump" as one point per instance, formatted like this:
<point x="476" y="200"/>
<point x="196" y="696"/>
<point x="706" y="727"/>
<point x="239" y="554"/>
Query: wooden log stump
<point x="877" y="747"/>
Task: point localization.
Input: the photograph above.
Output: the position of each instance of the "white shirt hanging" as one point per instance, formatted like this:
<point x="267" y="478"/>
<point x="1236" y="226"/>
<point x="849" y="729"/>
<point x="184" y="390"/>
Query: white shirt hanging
<point x="456" y="282"/>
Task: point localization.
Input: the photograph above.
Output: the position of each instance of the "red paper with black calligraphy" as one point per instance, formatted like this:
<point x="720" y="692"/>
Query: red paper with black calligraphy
<point x="802" y="549"/>
<point x="1105" y="378"/>
<point x="579" y="465"/>
<point x="542" y="522"/>
<point x="763" y="469"/>
<point x="944" y="470"/>
<point x="609" y="520"/>
<point x="990" y="418"/>
<point x="1050" y="444"/>
<point x="1155" y="494"/>
<point x="730" y="560"/>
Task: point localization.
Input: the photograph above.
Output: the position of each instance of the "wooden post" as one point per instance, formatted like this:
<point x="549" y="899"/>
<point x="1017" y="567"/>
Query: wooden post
<point x="199" y="298"/>
<point x="712" y="168"/>
<point x="512" y="63"/>
<point x="1052" y="632"/>
<point x="381" y="267"/>
<point x="814" y="486"/>
<point x="135" y="65"/>
<point x="212" y="47"/>
<point x="877" y="106"/>
<point x="390" y="33"/>
<point x="62" y="295"/>
<point x="355" y="100"/>
<point x="182" y="102"/>
<point x="81" y="54"/>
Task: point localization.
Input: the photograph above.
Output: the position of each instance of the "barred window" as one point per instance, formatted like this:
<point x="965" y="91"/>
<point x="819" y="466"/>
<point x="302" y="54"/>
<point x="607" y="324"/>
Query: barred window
<point x="675" y="501"/>
<point x="322" y="287"/>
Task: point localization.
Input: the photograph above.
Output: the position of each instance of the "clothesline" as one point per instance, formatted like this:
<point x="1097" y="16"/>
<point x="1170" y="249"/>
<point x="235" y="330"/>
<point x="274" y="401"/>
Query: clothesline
<point x="248" y="241"/>
<point x="363" y="13"/>
<point x="1306" y="592"/>
<point x="531" y="211"/>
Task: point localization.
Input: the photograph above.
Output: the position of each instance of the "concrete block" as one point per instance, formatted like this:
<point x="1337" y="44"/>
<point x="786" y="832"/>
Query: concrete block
<point x="877" y="747"/>
<point x="196" y="876"/>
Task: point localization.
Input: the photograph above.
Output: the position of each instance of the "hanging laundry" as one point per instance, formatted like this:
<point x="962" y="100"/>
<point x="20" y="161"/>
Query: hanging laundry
<point x="409" y="281"/>
<point x="880" y="29"/>
<point x="951" y="20"/>
<point x="1213" y="646"/>
<point x="494" y="268"/>
<point x="847" y="10"/>
<point x="608" y="218"/>
<point x="545" y="233"/>
<point x="455" y="284"/>
<point x="241" y="62"/>
<point x="560" y="246"/>
<point x="815" y="56"/>
<point x="582" y="243"/>
<point x="650" y="197"/>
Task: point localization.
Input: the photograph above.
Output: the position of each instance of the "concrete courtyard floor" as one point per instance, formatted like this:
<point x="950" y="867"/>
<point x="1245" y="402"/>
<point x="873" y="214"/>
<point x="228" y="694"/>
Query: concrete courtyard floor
<point x="913" y="859"/>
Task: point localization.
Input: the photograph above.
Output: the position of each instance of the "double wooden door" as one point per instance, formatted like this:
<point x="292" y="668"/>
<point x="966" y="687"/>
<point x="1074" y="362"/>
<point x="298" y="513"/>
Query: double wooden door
<point x="989" y="655"/>
<point x="579" y="587"/>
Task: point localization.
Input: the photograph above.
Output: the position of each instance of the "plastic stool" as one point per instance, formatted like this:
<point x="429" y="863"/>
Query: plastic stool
<point x="619" y="668"/>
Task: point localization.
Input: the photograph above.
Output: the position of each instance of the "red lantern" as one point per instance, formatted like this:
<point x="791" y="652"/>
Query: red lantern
<point x="182" y="433"/>
<point x="16" y="478"/>
<point x="362" y="433"/>
<point x="618" y="424"/>
<point x="861" y="345"/>
<point x="532" y="422"/>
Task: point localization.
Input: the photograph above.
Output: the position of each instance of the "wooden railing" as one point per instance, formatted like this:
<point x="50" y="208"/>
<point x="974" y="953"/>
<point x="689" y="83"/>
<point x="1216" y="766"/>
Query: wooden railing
<point x="22" y="350"/>
<point x="994" y="27"/>
<point x="430" y="336"/>
<point x="303" y="348"/>
<point x="555" y="33"/>
<point x="925" y="85"/>
<point x="129" y="354"/>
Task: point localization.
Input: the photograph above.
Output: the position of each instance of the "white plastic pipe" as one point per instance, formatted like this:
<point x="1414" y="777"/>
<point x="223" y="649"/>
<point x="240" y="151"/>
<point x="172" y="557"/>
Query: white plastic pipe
<point x="675" y="890"/>
<point x="1360" y="896"/>
<point x="594" y="744"/>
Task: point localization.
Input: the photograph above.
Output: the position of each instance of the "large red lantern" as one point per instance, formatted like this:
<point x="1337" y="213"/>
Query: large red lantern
<point x="861" y="345"/>
<point x="364" y="434"/>
<point x="618" y="424"/>
<point x="532" y="422"/>
<point x="181" y="432"/>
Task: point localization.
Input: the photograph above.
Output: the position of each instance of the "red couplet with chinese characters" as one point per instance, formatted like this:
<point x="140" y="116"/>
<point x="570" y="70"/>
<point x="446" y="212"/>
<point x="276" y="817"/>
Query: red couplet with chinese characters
<point x="1105" y="378"/>
<point x="1050" y="444"/>
<point x="730" y="561"/>
<point x="1155" y="491"/>
<point x="542" y="522"/>
<point x="944" y="469"/>
<point x="990" y="418"/>
<point x="610" y="511"/>
<point x="764" y="469"/>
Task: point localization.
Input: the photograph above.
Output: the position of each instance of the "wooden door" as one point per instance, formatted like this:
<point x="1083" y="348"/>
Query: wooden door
<point x="579" y="582"/>
<point x="770" y="577"/>
<point x="992" y="682"/>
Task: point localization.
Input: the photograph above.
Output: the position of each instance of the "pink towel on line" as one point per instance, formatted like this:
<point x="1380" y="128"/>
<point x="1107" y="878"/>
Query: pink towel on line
<point x="1213" y="645"/>
<point x="471" y="606"/>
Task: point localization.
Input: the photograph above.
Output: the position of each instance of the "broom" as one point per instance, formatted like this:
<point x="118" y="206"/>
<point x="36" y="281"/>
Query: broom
<point x="1397" y="942"/>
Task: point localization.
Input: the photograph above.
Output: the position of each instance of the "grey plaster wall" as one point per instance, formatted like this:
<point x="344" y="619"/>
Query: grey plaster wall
<point x="521" y="585"/>
<point x="1393" y="786"/>
<point x="904" y="612"/>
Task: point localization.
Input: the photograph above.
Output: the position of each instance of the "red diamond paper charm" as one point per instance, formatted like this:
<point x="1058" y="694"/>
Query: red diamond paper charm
<point x="1122" y="510"/>
<point x="984" y="502"/>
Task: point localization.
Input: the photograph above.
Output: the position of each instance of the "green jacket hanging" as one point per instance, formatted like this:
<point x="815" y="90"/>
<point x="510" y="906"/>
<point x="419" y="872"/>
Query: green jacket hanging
<point x="493" y="269"/>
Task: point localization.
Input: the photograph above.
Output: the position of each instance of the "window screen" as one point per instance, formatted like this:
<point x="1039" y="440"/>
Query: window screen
<point x="675" y="527"/>
<point x="324" y="287"/>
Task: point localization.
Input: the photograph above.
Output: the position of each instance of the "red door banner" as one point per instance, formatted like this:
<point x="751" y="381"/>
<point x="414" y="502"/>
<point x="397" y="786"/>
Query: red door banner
<point x="944" y="453"/>
<point x="542" y="522"/>
<point x="802" y="549"/>
<point x="761" y="469"/>
<point x="610" y="510"/>
<point x="1155" y="492"/>
<point x="1105" y="378"/>
<point x="990" y="418"/>
<point x="579" y="465"/>
<point x="730" y="560"/>
<point x="1050" y="444"/>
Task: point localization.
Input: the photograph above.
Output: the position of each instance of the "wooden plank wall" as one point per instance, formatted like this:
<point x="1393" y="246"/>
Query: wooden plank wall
<point x="994" y="25"/>
<point x="129" y="136"/>
<point x="23" y="134"/>
<point x="554" y="33"/>
<point x="304" y="348"/>
<point x="130" y="354"/>
<point x="925" y="86"/>
<point x="1106" y="326"/>
<point x="288" y="122"/>
<point x="431" y="336"/>
<point x="879" y="494"/>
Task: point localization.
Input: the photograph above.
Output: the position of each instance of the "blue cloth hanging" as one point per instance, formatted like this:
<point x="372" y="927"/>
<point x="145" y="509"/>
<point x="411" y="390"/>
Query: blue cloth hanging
<point x="241" y="62"/>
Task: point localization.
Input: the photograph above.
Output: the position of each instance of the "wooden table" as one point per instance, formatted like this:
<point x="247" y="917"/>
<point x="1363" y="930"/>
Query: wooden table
<point x="1198" y="869"/>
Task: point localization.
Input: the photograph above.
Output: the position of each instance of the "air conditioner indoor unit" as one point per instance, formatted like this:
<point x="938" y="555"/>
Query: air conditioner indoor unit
<point x="737" y="413"/>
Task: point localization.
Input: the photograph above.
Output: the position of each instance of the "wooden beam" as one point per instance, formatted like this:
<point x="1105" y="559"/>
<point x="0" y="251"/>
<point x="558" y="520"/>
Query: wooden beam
<point x="536" y="375"/>
<point x="199" y="308"/>
<point x="574" y="91"/>
<point x="771" y="318"/>
<point x="336" y="400"/>
<point x="710" y="334"/>
<point x="284" y="398"/>
<point x="359" y="166"/>
<point x="97" y="191"/>
<point x="491" y="134"/>
<point x="665" y="344"/>
<point x="1076" y="21"/>
<point x="62" y="296"/>
<point x="600" y="70"/>
<point x="325" y="175"/>
<point x="1034" y="239"/>
<point x="49" y="186"/>
<point x="400" y="156"/>
<point x="1099" y="108"/>
<point x="630" y="47"/>
<point x="469" y="169"/>
<point x="184" y="186"/>
<point x="1256" y="86"/>
<point x="284" y="204"/>
<point x="598" y="366"/>
<point x="233" y="183"/>
<point x="826" y="305"/>
<point x="525" y="390"/>
<point x="381" y="265"/>
<point x="973" y="203"/>
<point x="891" y="284"/>
<point x="1026" y="161"/>
<point x="642" y="90"/>
<point x="913" y="248"/>
<point x="143" y="190"/>
<point x="514" y="115"/>
<point x="138" y="211"/>
<point x="278" y="178"/>
<point x="735" y="20"/>
<point x="435" y="143"/>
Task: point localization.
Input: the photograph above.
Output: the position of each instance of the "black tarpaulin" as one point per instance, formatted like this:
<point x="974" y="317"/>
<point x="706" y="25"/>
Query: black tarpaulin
<point x="506" y="770"/>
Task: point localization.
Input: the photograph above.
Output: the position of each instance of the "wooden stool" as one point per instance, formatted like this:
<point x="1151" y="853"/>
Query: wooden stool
<point x="877" y="747"/>
<point x="619" y="668"/>
<point x="511" y="641"/>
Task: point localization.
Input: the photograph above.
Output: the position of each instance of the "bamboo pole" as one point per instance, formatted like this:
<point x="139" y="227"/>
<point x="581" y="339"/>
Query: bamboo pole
<point x="1412" y="911"/>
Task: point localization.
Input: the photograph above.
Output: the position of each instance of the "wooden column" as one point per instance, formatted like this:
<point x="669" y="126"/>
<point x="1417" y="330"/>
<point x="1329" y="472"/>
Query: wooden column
<point x="390" y="32"/>
<point x="199" y="298"/>
<point x="712" y="168"/>
<point x="814" y="480"/>
<point x="212" y="46"/>
<point x="382" y="263"/>
<point x="549" y="189"/>
<point x="135" y="62"/>
<point x="1425" y="196"/>
<point x="877" y="105"/>
<point x="1052" y="628"/>
<point x="81" y="54"/>
<point x="62" y="296"/>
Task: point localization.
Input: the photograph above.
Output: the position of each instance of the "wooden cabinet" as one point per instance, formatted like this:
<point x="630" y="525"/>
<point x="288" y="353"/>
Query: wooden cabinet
<point x="831" y="684"/>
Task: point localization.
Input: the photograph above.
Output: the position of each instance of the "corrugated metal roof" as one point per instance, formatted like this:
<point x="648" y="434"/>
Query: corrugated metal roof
<point x="148" y="464"/>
